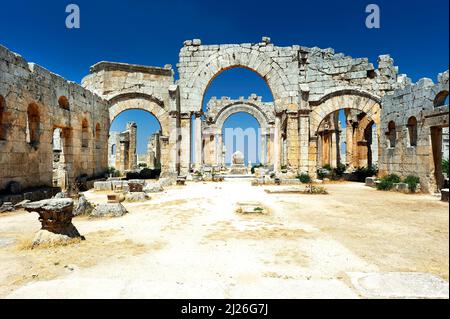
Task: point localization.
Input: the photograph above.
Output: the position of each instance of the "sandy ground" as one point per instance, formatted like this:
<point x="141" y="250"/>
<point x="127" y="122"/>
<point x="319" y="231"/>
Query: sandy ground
<point x="189" y="243"/>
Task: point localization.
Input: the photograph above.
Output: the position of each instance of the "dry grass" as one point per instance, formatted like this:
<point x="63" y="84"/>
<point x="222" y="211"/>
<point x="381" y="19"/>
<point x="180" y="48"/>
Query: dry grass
<point x="48" y="261"/>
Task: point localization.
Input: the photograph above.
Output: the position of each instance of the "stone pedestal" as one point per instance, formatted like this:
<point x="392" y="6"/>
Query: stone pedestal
<point x="237" y="164"/>
<point x="55" y="216"/>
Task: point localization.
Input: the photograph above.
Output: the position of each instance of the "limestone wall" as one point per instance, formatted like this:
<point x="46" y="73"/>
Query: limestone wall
<point x="421" y="101"/>
<point x="34" y="103"/>
<point x="129" y="86"/>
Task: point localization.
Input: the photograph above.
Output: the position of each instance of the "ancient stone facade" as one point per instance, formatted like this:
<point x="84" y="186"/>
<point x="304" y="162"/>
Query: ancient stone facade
<point x="308" y="85"/>
<point x="218" y="111"/>
<point x="413" y="119"/>
<point x="128" y="86"/>
<point x="33" y="103"/>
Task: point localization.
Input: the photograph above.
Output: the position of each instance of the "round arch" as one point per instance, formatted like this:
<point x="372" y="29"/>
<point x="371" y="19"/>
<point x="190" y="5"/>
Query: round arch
<point x="241" y="107"/>
<point x="335" y="101"/>
<point x="140" y="101"/>
<point x="197" y="81"/>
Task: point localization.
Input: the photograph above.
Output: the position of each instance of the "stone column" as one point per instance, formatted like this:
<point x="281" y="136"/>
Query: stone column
<point x="185" y="143"/>
<point x="348" y="138"/>
<point x="276" y="144"/>
<point x="218" y="149"/>
<point x="174" y="146"/>
<point x="334" y="139"/>
<point x="198" y="141"/>
<point x="292" y="141"/>
<point x="319" y="150"/>
<point x="263" y="148"/>
<point x="304" y="141"/>
<point x="132" y="155"/>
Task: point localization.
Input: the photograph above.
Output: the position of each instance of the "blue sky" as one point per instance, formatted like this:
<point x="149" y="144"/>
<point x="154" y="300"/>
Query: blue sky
<point x="415" y="33"/>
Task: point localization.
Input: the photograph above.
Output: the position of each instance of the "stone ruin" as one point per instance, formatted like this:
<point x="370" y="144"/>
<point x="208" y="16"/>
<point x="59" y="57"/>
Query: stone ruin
<point x="55" y="216"/>
<point x="308" y="85"/>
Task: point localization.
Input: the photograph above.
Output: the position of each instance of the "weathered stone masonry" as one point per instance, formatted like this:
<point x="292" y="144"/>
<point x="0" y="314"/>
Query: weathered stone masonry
<point x="307" y="84"/>
<point x="412" y="122"/>
<point x="34" y="102"/>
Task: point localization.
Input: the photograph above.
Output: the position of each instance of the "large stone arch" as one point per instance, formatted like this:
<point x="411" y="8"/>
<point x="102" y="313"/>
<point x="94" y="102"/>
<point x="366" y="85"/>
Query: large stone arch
<point x="345" y="99"/>
<point x="262" y="117"/>
<point x="140" y="101"/>
<point x="210" y="61"/>
<point x="334" y="101"/>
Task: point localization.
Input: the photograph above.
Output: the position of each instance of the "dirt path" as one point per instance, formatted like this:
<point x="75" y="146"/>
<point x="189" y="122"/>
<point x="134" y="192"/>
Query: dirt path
<point x="188" y="243"/>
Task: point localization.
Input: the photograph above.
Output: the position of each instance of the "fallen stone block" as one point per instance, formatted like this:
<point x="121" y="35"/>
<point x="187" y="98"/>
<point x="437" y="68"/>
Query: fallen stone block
<point x="83" y="207"/>
<point x="137" y="197"/>
<point x="115" y="198"/>
<point x="109" y="210"/>
<point x="20" y="205"/>
<point x="370" y="181"/>
<point x="6" y="207"/>
<point x="399" y="285"/>
<point x="153" y="188"/>
<point x="251" y="208"/>
<point x="103" y="186"/>
<point x="136" y="185"/>
<point x="401" y="187"/>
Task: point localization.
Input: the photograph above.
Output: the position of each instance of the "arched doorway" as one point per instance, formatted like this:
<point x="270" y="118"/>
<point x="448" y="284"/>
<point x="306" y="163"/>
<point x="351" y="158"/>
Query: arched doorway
<point x="232" y="92"/>
<point x="345" y="126"/>
<point x="135" y="141"/>
<point x="153" y="149"/>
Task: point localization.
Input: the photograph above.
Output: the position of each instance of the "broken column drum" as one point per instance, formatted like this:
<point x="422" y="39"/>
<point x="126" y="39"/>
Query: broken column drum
<point x="55" y="216"/>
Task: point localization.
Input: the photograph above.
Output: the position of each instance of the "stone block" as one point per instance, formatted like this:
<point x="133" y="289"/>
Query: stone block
<point x="109" y="210"/>
<point x="103" y="186"/>
<point x="371" y="181"/>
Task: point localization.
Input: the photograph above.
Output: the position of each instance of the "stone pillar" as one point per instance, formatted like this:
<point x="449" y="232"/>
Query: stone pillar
<point x="198" y="141"/>
<point x="276" y="144"/>
<point x="333" y="144"/>
<point x="263" y="148"/>
<point x="185" y="143"/>
<point x="270" y="146"/>
<point x="319" y="150"/>
<point x="132" y="155"/>
<point x="218" y="149"/>
<point x="349" y="138"/>
<point x="313" y="156"/>
<point x="292" y="141"/>
<point x="174" y="146"/>
<point x="304" y="142"/>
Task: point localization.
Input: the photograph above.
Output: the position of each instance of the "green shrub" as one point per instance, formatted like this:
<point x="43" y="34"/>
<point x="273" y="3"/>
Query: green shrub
<point x="388" y="181"/>
<point x="304" y="178"/>
<point x="362" y="172"/>
<point x="142" y="164"/>
<point x="339" y="170"/>
<point x="412" y="182"/>
<point x="327" y="167"/>
<point x="322" y="173"/>
<point x="445" y="166"/>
